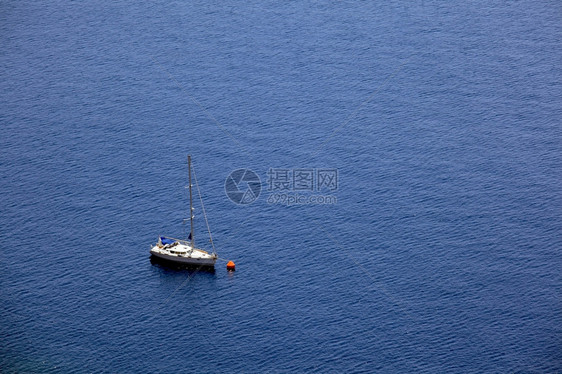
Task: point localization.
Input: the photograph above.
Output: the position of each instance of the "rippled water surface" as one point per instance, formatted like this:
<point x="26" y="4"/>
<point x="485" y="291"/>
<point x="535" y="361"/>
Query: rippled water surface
<point x="441" y="252"/>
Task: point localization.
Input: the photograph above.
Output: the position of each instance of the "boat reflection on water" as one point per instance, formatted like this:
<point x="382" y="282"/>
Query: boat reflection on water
<point x="174" y="266"/>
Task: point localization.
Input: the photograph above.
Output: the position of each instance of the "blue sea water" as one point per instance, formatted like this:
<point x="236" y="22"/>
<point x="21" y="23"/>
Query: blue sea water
<point x="441" y="254"/>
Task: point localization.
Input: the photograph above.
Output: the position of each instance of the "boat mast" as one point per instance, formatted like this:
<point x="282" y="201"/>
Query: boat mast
<point x="190" y="203"/>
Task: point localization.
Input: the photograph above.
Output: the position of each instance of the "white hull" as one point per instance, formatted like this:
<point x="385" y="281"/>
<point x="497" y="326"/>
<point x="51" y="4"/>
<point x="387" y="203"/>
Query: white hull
<point x="191" y="257"/>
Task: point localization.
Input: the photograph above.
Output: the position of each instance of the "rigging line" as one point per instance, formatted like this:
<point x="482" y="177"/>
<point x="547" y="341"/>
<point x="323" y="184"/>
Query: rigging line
<point x="203" y="209"/>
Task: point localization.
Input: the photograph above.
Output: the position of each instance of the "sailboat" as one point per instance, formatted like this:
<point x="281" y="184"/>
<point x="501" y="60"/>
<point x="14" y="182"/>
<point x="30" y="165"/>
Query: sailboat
<point x="184" y="251"/>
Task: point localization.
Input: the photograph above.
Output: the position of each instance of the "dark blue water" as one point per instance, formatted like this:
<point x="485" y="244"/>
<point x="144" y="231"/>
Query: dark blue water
<point x="441" y="254"/>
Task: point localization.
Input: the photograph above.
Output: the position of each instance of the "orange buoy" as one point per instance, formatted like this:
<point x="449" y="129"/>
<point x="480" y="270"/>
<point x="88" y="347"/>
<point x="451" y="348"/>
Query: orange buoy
<point x="230" y="266"/>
